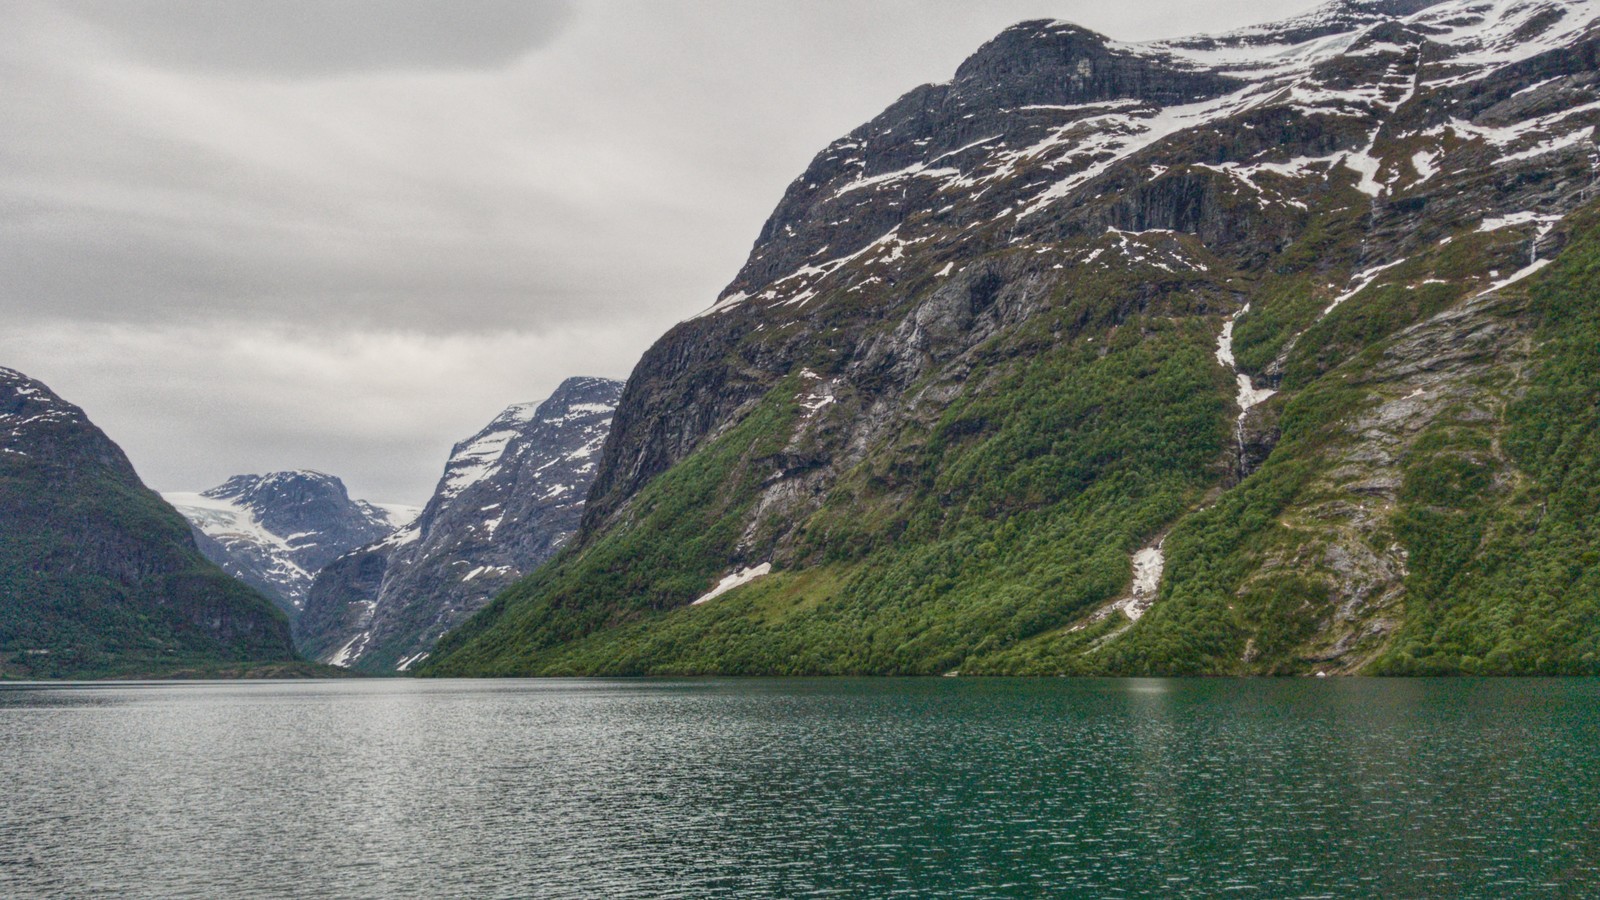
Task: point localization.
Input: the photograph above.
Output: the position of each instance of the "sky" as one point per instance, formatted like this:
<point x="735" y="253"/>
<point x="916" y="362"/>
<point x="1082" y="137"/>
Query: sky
<point x="344" y="234"/>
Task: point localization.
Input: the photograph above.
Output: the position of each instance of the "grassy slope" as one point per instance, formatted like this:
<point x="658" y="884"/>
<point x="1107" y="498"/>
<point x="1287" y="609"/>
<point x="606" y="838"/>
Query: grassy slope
<point x="1506" y="574"/>
<point x="685" y="524"/>
<point x="977" y="543"/>
<point x="1016" y="512"/>
<point x="1499" y="582"/>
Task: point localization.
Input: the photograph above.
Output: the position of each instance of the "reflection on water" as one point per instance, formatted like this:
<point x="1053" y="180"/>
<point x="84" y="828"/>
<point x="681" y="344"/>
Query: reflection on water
<point x="783" y="788"/>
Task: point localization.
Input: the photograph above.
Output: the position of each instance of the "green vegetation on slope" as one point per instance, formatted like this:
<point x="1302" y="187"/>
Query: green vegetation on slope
<point x="684" y="525"/>
<point x="1494" y="516"/>
<point x="99" y="577"/>
<point x="983" y="541"/>
<point x="1016" y="512"/>
<point x="1504" y="528"/>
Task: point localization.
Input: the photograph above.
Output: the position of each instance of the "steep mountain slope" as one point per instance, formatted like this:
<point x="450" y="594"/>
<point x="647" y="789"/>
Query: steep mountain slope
<point x="97" y="575"/>
<point x="275" y="531"/>
<point x="1210" y="355"/>
<point x="510" y="497"/>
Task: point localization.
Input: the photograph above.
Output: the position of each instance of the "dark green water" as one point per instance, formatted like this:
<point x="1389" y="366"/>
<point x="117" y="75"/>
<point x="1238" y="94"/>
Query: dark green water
<point x="799" y="788"/>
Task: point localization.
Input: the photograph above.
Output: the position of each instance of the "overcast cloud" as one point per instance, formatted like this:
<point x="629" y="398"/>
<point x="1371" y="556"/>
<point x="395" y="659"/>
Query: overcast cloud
<point x="343" y="234"/>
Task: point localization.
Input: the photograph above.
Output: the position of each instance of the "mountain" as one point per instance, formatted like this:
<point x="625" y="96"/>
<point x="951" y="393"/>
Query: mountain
<point x="510" y="497"/>
<point x="1267" y="352"/>
<point x="98" y="576"/>
<point x="274" y="531"/>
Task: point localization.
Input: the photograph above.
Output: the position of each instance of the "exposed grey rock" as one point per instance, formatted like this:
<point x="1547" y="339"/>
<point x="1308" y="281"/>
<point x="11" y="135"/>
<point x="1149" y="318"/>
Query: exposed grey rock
<point x="510" y="498"/>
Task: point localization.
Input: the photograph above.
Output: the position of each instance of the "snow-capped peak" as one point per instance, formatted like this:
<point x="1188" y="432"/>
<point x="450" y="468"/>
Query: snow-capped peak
<point x="276" y="530"/>
<point x="511" y="495"/>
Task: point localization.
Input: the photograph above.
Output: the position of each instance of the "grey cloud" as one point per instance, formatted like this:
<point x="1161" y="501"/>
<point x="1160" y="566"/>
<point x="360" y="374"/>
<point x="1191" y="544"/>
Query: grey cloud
<point x="235" y="267"/>
<point x="309" y="38"/>
<point x="108" y="269"/>
<point x="195" y="403"/>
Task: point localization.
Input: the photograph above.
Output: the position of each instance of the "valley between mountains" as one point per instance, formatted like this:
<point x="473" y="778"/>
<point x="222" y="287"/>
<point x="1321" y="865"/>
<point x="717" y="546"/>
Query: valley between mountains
<point x="1270" y="352"/>
<point x="371" y="588"/>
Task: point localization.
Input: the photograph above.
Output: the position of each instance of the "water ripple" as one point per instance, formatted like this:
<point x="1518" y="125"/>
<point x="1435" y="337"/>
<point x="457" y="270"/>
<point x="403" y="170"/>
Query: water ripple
<point x="802" y="788"/>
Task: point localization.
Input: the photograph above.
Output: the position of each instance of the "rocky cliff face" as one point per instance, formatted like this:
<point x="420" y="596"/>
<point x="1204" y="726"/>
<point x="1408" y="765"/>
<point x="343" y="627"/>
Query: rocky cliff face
<point x="510" y="497"/>
<point x="1046" y="319"/>
<point x="275" y="531"/>
<point x="97" y="575"/>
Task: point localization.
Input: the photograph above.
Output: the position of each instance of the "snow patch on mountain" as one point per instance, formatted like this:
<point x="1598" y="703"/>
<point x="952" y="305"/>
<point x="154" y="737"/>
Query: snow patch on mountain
<point x="232" y="524"/>
<point x="274" y="531"/>
<point x="732" y="580"/>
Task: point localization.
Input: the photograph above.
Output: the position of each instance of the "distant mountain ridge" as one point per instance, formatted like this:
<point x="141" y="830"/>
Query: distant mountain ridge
<point x="98" y="576"/>
<point x="275" y="531"/>
<point x="510" y="497"/>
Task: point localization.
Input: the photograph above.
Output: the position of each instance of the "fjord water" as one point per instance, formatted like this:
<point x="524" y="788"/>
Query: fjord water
<point x="793" y="788"/>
